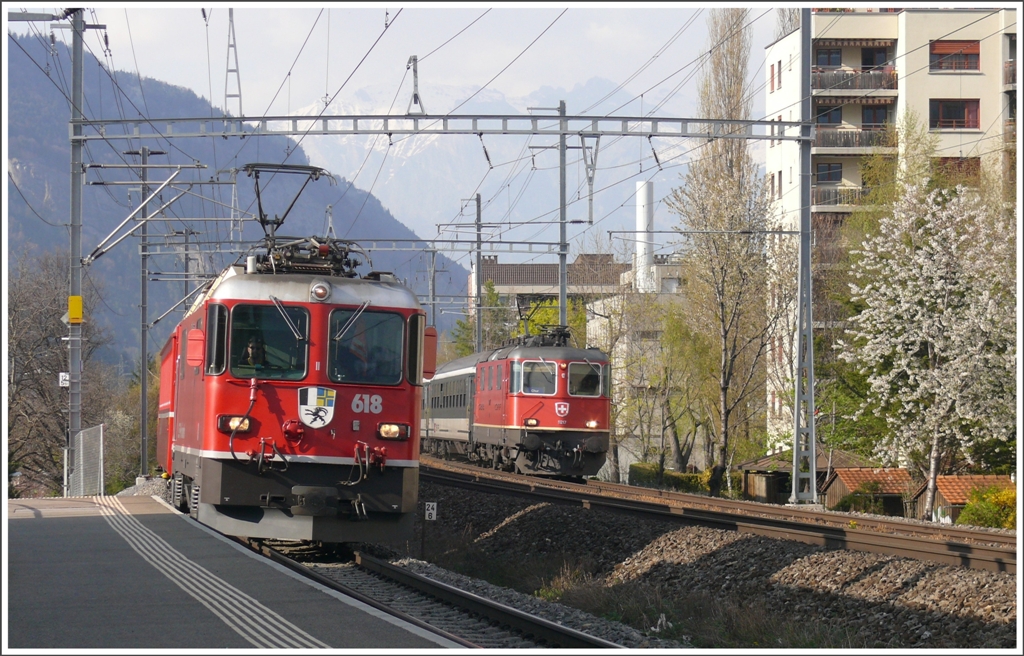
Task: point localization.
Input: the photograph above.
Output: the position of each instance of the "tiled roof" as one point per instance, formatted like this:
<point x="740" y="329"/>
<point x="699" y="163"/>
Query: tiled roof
<point x="783" y="460"/>
<point x="957" y="489"/>
<point x="893" y="480"/>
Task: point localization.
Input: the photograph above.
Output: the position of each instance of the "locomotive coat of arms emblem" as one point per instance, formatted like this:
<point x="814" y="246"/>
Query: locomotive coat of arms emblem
<point x="316" y="406"/>
<point x="561" y="408"/>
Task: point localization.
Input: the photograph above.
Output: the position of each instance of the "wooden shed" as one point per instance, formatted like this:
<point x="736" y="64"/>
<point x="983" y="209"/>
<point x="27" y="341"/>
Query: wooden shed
<point x="768" y="479"/>
<point x="953" y="492"/>
<point x="890" y="486"/>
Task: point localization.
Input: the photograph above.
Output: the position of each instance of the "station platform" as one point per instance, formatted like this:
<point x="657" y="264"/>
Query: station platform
<point x="132" y="573"/>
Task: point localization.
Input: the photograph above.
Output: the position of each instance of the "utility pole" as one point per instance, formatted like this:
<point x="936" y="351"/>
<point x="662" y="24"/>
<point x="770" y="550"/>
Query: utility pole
<point x="479" y="264"/>
<point x="144" y="152"/>
<point x="232" y="49"/>
<point x="75" y="311"/>
<point x="75" y="297"/>
<point x="805" y="485"/>
<point x="563" y="247"/>
<point x="431" y="286"/>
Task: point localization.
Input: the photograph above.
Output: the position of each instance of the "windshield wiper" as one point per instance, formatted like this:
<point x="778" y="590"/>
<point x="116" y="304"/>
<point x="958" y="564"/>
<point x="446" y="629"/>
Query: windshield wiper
<point x="351" y="320"/>
<point x="287" y="319"/>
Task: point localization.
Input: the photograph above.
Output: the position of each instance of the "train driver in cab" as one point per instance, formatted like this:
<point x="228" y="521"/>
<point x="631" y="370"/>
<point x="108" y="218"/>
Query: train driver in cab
<point x="255" y="352"/>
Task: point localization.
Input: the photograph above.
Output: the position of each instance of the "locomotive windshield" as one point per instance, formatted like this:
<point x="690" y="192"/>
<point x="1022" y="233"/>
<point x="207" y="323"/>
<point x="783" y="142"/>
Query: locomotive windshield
<point x="535" y="377"/>
<point x="584" y="379"/>
<point x="369" y="351"/>
<point x="264" y="345"/>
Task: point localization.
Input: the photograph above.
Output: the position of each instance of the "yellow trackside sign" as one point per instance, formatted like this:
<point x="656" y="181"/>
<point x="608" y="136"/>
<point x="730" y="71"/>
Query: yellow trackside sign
<point x="74" y="309"/>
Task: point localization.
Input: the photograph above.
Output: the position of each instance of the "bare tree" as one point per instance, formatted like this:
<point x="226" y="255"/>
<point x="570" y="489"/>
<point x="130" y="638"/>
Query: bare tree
<point x="726" y="211"/>
<point x="36" y="355"/>
<point x="787" y="20"/>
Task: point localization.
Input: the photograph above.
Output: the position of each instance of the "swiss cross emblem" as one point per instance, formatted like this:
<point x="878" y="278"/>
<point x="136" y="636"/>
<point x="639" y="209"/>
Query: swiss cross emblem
<point x="561" y="409"/>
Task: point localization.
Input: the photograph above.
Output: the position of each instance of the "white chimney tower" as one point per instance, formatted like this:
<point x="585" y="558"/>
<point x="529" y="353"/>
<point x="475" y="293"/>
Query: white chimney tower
<point x="643" y="268"/>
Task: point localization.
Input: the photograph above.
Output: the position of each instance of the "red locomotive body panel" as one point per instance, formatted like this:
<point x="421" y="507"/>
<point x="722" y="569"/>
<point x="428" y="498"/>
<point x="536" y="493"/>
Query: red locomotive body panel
<point x="538" y="407"/>
<point x="290" y="407"/>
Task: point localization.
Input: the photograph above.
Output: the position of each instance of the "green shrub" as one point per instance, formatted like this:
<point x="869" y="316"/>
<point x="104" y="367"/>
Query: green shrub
<point x="994" y="507"/>
<point x="863" y="499"/>
<point x="645" y="474"/>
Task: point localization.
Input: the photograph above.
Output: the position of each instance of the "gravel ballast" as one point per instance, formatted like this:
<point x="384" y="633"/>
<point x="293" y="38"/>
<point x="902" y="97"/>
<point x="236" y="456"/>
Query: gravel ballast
<point x="878" y="601"/>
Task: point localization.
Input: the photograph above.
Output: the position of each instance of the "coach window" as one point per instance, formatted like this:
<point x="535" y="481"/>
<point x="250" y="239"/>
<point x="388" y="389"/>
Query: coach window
<point x="269" y="341"/>
<point x="584" y="379"/>
<point x="606" y="380"/>
<point x="366" y="347"/>
<point x="539" y="378"/>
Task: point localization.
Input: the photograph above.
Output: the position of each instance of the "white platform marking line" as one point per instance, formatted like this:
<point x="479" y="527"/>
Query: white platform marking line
<point x="235" y="608"/>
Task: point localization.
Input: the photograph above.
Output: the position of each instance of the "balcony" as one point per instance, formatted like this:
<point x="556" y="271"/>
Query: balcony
<point x="1010" y="73"/>
<point x="853" y="79"/>
<point x="835" y="196"/>
<point x="867" y="136"/>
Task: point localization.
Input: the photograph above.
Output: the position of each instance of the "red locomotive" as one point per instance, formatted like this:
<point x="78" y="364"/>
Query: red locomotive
<point x="535" y="406"/>
<point x="290" y="397"/>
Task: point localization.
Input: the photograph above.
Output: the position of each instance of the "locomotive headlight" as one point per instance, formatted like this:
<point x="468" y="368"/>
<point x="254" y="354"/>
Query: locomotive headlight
<point x="228" y="423"/>
<point x="320" y="291"/>
<point x="531" y="422"/>
<point x="393" y="431"/>
<point x="592" y="423"/>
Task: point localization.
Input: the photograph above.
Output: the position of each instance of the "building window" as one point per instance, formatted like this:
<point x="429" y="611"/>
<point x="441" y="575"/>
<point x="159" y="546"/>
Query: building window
<point x="956" y="114"/>
<point x="955" y="56"/>
<point x="771" y="75"/>
<point x="828" y="172"/>
<point x="780" y="75"/>
<point x="828" y="57"/>
<point x="833" y="115"/>
<point x="873" y="117"/>
<point x="873" y="57"/>
<point x="779" y="178"/>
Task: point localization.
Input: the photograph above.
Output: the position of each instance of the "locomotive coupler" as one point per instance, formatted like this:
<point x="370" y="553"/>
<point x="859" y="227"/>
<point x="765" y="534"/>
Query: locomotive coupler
<point x="361" y="465"/>
<point x="358" y="508"/>
<point x="379" y="456"/>
<point x="264" y="460"/>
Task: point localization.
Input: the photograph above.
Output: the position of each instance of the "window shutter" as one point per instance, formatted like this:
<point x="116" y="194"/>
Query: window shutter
<point x="954" y="47"/>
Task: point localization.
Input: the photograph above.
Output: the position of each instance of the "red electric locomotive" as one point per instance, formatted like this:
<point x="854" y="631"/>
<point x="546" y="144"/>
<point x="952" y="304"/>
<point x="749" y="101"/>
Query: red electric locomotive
<point x="535" y="406"/>
<point x="290" y="398"/>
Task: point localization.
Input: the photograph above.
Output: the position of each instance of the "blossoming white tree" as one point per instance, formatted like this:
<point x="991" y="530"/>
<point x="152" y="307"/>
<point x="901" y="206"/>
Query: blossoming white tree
<point x="936" y="336"/>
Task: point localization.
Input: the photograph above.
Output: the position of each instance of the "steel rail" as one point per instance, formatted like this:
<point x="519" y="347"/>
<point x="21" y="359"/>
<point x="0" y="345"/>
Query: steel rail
<point x="949" y="552"/>
<point x="535" y="628"/>
<point x="306" y="572"/>
<point x="802" y="514"/>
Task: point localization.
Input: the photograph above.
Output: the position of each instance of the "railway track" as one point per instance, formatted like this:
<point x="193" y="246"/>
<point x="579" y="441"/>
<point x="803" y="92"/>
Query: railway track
<point x="458" y="615"/>
<point x="946" y="545"/>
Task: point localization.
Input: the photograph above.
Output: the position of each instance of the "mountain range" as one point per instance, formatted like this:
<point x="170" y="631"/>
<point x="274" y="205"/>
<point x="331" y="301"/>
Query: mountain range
<point x="38" y="197"/>
<point x="387" y="188"/>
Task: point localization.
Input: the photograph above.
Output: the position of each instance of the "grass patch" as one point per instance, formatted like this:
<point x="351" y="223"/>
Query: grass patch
<point x="703" y="620"/>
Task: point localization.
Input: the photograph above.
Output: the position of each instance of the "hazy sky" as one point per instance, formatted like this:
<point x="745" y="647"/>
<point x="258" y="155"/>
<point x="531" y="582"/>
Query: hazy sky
<point x="345" y="47"/>
<point x="654" y="50"/>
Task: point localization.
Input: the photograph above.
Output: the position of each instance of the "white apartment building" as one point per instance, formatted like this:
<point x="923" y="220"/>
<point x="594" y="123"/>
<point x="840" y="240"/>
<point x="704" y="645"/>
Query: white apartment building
<point x="954" y="68"/>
